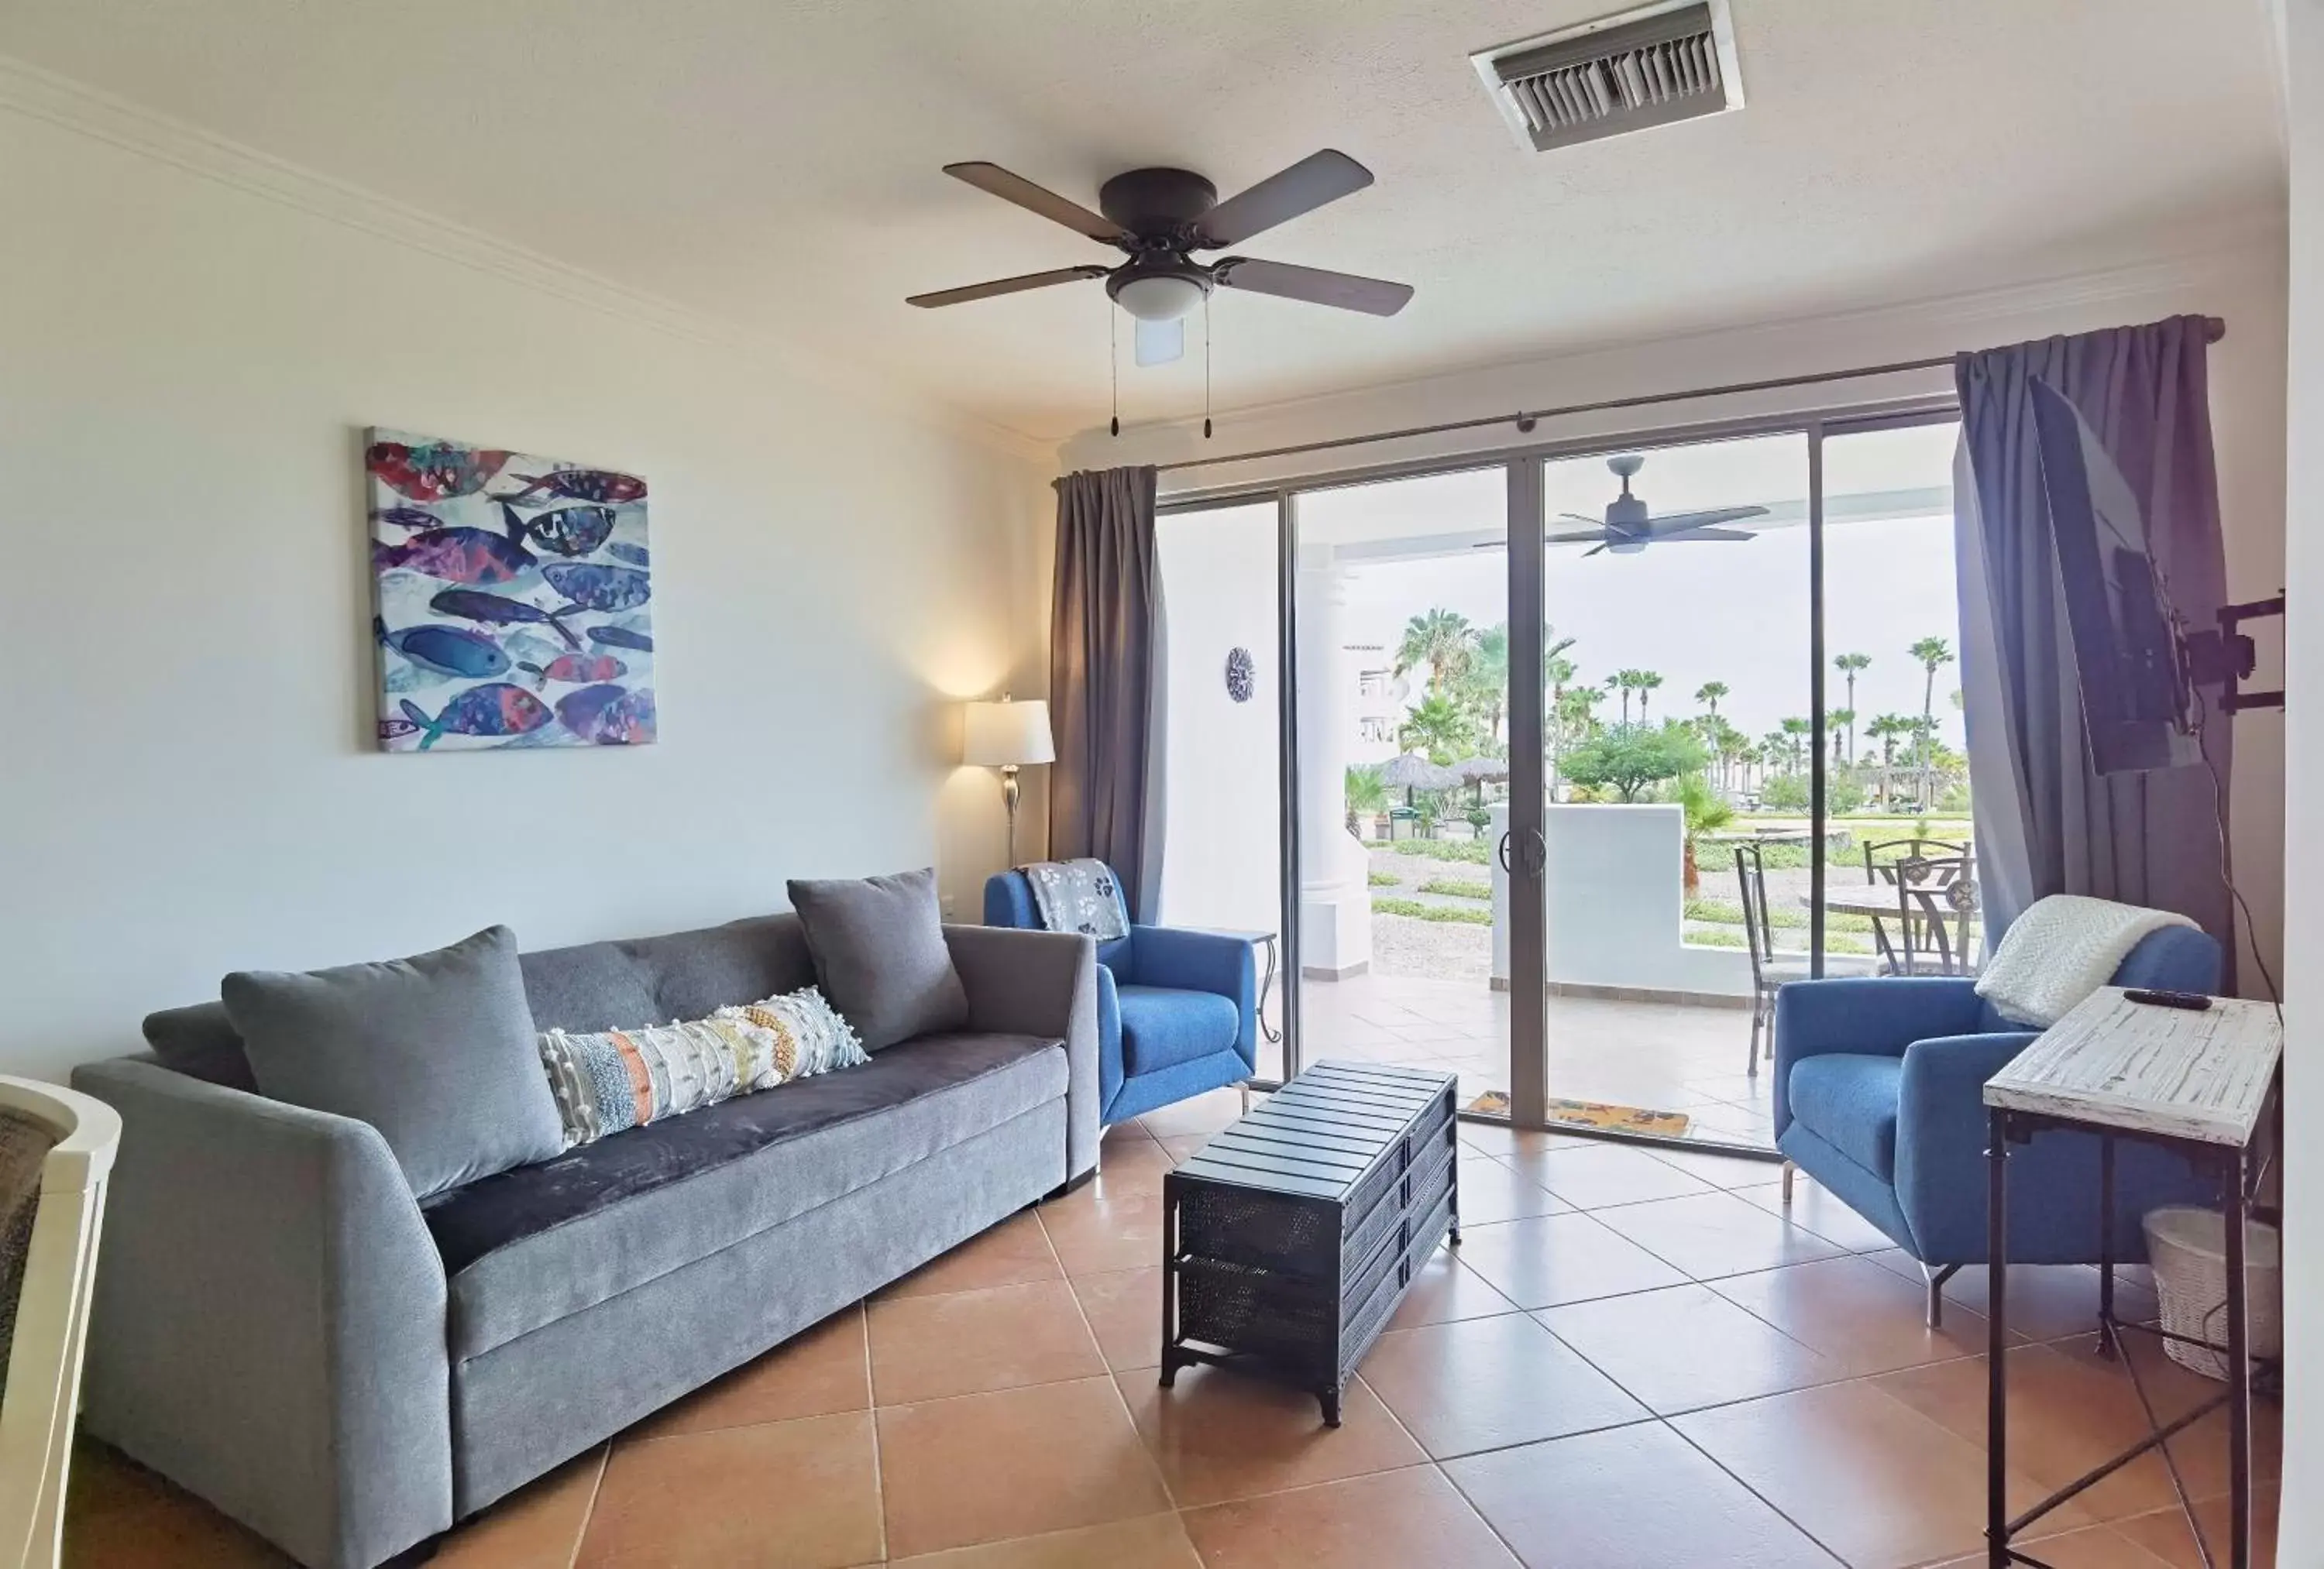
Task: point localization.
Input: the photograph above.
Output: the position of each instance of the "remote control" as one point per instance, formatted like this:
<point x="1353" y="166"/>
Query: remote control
<point x="2193" y="1001"/>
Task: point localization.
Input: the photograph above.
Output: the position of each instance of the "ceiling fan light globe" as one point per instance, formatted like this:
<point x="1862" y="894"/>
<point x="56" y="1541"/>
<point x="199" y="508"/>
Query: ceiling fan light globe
<point x="1159" y="297"/>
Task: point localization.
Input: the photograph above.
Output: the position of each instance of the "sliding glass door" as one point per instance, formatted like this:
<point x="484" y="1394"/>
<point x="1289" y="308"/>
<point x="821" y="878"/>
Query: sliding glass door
<point x="1546" y="772"/>
<point x="1400" y="603"/>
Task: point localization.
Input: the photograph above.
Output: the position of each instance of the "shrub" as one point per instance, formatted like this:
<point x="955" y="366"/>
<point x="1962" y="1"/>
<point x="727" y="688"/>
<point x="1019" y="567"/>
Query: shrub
<point x="1385" y="879"/>
<point x="1452" y="889"/>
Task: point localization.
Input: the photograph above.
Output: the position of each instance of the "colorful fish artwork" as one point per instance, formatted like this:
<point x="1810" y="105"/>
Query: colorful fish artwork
<point x="494" y="711"/>
<point x="432" y="471"/>
<point x="577" y="669"/>
<point x="468" y="556"/>
<point x="451" y="650"/>
<point x="511" y="599"/>
<point x="497" y="609"/>
<point x="609" y="715"/>
<point x="410" y="519"/>
<point x="579" y="485"/>
<point x="621" y="638"/>
<point x="567" y="531"/>
<point x="594" y="586"/>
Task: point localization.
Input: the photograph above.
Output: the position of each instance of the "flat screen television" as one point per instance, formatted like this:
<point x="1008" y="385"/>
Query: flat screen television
<point x="2131" y="662"/>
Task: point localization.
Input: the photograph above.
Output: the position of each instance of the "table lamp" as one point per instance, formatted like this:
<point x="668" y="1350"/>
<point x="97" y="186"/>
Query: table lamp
<point x="1008" y="736"/>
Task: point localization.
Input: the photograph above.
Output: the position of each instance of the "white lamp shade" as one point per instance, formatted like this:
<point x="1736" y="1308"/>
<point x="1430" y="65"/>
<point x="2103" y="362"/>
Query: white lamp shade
<point x="1006" y="734"/>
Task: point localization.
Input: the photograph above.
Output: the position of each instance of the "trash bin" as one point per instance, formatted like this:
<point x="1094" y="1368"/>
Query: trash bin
<point x="2188" y="1249"/>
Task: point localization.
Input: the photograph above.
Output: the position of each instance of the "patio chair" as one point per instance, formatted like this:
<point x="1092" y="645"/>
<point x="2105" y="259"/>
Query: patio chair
<point x="1879" y="1095"/>
<point x="1768" y="973"/>
<point x="56" y="1151"/>
<point x="1177" y="1008"/>
<point x="1920" y="875"/>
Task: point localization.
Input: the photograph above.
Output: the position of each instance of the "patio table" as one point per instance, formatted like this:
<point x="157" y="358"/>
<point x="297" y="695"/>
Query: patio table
<point x="1883" y="901"/>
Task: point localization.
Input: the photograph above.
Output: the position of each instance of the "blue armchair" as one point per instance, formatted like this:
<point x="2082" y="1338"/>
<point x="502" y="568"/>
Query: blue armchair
<point x="1879" y="1095"/>
<point x="1177" y="1010"/>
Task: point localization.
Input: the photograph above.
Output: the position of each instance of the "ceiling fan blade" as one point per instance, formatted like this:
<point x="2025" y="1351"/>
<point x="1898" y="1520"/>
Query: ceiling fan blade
<point x="1575" y="537"/>
<point x="1587" y="553"/>
<point x="1004" y="286"/>
<point x="1707" y="532"/>
<point x="995" y="181"/>
<point x="1673" y="522"/>
<point x="1579" y="517"/>
<point x="1345" y="291"/>
<point x="1316" y="180"/>
<point x="1161" y="342"/>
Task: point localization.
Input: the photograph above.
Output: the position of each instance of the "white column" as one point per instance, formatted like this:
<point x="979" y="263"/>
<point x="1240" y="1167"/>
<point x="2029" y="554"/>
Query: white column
<point x="1335" y="912"/>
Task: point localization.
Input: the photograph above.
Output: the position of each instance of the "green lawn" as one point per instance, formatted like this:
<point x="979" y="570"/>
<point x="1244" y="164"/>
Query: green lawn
<point x="1459" y="916"/>
<point x="1450" y="889"/>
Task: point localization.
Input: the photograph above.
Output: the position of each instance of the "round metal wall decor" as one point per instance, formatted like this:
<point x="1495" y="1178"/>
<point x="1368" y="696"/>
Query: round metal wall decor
<point x="1239" y="675"/>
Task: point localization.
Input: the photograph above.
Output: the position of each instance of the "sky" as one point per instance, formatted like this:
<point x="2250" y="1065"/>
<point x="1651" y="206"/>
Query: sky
<point x="1732" y="611"/>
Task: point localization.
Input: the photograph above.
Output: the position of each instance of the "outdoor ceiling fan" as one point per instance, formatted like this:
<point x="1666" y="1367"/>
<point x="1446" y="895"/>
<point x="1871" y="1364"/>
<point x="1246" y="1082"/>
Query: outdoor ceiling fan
<point x="1629" y="528"/>
<point x="1161" y="216"/>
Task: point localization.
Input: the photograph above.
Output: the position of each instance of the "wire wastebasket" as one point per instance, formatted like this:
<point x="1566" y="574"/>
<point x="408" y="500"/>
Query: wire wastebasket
<point x="2188" y="1249"/>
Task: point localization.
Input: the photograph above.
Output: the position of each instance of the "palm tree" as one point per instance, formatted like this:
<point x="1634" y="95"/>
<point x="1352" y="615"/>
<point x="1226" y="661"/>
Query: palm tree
<point x="1557" y="670"/>
<point x="1438" y="728"/>
<point x="1648" y="680"/>
<point x="1622" y="682"/>
<point x="1932" y="652"/>
<point x="1366" y="796"/>
<point x="1848" y="664"/>
<point x="1733" y="747"/>
<point x="1885" y="728"/>
<point x="1775" y="746"/>
<point x="1709" y="693"/>
<point x="1841" y="722"/>
<point x="1486" y="681"/>
<point x="1438" y="640"/>
<point x="1795" y="733"/>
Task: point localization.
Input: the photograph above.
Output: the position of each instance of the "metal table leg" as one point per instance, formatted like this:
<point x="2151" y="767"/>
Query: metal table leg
<point x="1997" y="1392"/>
<point x="2239" y="1435"/>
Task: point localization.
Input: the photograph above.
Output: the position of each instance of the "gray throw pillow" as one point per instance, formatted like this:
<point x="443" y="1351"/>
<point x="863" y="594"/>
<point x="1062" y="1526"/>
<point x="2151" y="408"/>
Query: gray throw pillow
<point x="880" y="953"/>
<point x="436" y="1051"/>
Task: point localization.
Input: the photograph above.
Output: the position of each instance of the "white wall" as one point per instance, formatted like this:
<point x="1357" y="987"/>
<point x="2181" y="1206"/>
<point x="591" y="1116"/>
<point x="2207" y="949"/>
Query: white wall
<point x="1222" y="859"/>
<point x="189" y="351"/>
<point x="2302" y="1526"/>
<point x="2241" y="277"/>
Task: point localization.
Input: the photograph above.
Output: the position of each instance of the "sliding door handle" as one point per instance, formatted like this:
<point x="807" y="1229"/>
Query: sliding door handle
<point x="1505" y="856"/>
<point x="1536" y="853"/>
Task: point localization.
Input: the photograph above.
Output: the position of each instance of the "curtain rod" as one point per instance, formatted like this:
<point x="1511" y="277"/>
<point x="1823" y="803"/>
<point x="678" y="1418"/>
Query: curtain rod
<point x="1525" y="419"/>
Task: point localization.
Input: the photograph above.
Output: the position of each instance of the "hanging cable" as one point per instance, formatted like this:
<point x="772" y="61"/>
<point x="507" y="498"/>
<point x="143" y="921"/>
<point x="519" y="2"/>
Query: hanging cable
<point x="1206" y="366"/>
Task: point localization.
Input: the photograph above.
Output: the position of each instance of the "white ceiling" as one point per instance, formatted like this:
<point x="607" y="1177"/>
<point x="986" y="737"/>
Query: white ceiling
<point x="778" y="164"/>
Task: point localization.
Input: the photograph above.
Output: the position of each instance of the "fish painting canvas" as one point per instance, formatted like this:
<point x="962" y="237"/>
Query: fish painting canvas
<point x="513" y="597"/>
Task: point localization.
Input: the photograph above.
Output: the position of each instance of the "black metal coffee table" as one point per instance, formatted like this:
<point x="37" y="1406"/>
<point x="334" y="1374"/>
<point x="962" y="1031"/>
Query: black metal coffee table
<point x="1290" y="1239"/>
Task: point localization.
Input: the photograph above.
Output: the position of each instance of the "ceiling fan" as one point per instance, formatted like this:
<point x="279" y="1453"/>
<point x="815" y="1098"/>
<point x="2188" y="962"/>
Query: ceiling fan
<point x="1629" y="528"/>
<point x="1161" y="216"/>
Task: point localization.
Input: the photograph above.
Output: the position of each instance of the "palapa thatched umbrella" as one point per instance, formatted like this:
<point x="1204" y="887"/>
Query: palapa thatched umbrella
<point x="1412" y="772"/>
<point x="1477" y="771"/>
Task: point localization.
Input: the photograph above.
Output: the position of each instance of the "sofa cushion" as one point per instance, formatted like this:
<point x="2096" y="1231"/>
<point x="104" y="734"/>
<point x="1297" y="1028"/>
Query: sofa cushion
<point x="1850" y="1103"/>
<point x="591" y="986"/>
<point x="436" y="1051"/>
<point x="531" y="1246"/>
<point x="1162" y="1027"/>
<point x="881" y="956"/>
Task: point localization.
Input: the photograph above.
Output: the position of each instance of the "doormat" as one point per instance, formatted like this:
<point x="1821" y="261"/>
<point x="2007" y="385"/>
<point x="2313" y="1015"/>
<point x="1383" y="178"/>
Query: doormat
<point x="1594" y="1114"/>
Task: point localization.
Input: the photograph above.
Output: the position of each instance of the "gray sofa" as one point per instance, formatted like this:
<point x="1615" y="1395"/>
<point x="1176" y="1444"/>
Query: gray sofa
<point x="282" y="1329"/>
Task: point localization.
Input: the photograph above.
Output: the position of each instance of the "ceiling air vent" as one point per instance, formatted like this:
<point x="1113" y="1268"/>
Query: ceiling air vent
<point x="1652" y="66"/>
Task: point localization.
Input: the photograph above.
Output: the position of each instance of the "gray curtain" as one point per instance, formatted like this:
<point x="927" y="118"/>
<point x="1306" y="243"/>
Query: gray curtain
<point x="2045" y="823"/>
<point x="1104" y="659"/>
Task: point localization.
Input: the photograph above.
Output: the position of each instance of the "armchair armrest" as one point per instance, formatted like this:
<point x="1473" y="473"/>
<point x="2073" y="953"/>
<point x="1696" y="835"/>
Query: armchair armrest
<point x="1195" y="960"/>
<point x="1940" y="1137"/>
<point x="1040" y="983"/>
<point x="269" y="1325"/>
<point x="1874" y="1016"/>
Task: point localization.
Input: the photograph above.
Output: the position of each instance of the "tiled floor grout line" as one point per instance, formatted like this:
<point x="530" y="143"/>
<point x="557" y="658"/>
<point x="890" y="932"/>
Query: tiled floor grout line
<point x="1683" y="1437"/>
<point x="871" y="1394"/>
<point x="589" y="1506"/>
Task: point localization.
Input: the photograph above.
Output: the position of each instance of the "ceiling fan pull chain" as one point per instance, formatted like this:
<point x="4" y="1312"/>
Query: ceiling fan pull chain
<point x="1206" y="367"/>
<point x="1113" y="362"/>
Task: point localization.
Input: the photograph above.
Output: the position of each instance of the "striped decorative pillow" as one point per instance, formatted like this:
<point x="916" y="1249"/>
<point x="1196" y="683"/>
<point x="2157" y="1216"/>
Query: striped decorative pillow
<point x="609" y="1080"/>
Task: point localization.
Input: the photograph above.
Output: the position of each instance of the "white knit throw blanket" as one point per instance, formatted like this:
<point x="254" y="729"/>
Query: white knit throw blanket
<point x="2061" y="950"/>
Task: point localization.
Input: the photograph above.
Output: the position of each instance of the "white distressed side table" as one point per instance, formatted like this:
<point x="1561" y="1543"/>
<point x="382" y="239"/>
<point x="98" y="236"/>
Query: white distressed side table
<point x="2207" y="1085"/>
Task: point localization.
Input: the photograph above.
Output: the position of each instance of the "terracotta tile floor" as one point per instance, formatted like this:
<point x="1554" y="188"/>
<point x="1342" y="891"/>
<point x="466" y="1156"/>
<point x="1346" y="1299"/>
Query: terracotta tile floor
<point x="1639" y="1361"/>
